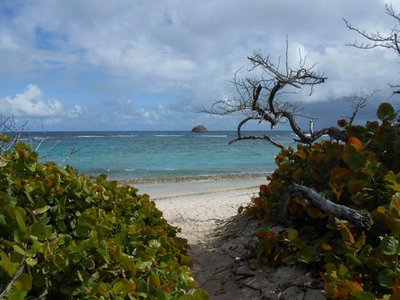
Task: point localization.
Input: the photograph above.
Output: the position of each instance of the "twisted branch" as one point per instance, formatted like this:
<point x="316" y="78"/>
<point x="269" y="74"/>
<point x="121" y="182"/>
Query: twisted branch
<point x="358" y="218"/>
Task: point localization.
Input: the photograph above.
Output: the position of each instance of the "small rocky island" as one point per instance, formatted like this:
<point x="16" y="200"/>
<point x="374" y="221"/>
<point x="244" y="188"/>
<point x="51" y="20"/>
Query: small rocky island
<point x="199" y="128"/>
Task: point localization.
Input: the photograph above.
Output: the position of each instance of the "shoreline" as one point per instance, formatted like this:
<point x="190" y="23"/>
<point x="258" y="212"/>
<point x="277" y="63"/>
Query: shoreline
<point x="215" y="187"/>
<point x="192" y="178"/>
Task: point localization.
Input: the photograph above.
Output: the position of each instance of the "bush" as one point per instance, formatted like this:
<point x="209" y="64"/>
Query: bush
<point x="363" y="174"/>
<point x="74" y="237"/>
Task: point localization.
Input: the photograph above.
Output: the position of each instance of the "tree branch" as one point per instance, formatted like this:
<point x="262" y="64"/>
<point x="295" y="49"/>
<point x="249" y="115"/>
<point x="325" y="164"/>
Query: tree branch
<point x="377" y="40"/>
<point x="358" y="102"/>
<point x="252" y="137"/>
<point x="358" y="218"/>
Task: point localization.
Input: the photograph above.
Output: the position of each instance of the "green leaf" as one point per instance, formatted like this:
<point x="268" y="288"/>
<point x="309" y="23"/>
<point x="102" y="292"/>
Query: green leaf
<point x="386" y="112"/>
<point x="31" y="261"/>
<point x="18" y="249"/>
<point x="306" y="255"/>
<point x="363" y="295"/>
<point x="393" y="180"/>
<point x="7" y="265"/>
<point x="144" y="265"/>
<point x="387" y="278"/>
<point x="24" y="282"/>
<point x="89" y="264"/>
<point x="16" y="294"/>
<point x="292" y="235"/>
<point x="103" y="251"/>
<point x="154" y="244"/>
<point x="60" y="261"/>
<point x="289" y="259"/>
<point x="353" y="158"/>
<point x="394" y="205"/>
<point x="154" y="281"/>
<point x="389" y="245"/>
<point x="31" y="166"/>
<point x="20" y="214"/>
<point x="42" y="210"/>
<point x="118" y="288"/>
<point x="3" y="220"/>
<point x="3" y="162"/>
<point x="187" y="278"/>
<point x="343" y="271"/>
<point x="42" y="232"/>
<point x="83" y="229"/>
<point x="201" y="294"/>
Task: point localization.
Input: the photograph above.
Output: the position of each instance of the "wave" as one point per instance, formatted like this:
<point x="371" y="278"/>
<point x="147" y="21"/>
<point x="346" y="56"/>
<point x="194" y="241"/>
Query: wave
<point x="214" y="135"/>
<point x="104" y="136"/>
<point x="89" y="136"/>
<point x="124" y="135"/>
<point x="168" y="135"/>
<point x="35" y="138"/>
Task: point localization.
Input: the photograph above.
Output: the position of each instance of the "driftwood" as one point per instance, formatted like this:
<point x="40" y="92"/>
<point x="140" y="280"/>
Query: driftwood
<point x="358" y="218"/>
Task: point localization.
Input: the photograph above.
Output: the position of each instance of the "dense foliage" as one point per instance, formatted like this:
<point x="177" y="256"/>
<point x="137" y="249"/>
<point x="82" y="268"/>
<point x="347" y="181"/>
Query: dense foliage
<point x="75" y="237"/>
<point x="363" y="174"/>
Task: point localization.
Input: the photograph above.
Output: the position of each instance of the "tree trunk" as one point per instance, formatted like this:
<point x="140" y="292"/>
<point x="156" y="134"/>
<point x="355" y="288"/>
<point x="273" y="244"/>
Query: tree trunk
<point x="358" y="218"/>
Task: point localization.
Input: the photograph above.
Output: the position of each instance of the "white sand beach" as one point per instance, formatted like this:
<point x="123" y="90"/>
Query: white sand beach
<point x="197" y="207"/>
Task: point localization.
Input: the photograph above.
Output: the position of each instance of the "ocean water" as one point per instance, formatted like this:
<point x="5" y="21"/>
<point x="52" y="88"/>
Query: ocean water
<point x="161" y="154"/>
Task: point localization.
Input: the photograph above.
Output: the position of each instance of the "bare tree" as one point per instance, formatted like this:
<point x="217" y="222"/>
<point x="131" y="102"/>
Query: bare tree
<point x="357" y="103"/>
<point x="262" y="98"/>
<point x="379" y="40"/>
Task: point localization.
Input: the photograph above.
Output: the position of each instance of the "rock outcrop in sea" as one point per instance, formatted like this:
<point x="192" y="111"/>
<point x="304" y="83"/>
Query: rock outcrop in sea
<point x="199" y="128"/>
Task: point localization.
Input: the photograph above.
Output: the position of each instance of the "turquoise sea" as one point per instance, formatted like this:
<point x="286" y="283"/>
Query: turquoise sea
<point x="157" y="154"/>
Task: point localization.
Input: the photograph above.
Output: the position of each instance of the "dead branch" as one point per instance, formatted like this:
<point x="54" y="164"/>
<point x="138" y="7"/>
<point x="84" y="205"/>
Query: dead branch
<point x="72" y="152"/>
<point x="253" y="137"/>
<point x="388" y="40"/>
<point x="358" y="218"/>
<point x="358" y="102"/>
<point x="8" y="126"/>
<point x="261" y="98"/>
<point x="377" y="39"/>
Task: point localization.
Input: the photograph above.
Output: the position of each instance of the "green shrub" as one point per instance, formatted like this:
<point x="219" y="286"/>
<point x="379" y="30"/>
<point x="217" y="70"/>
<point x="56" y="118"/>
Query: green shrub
<point x="75" y="237"/>
<point x="363" y="174"/>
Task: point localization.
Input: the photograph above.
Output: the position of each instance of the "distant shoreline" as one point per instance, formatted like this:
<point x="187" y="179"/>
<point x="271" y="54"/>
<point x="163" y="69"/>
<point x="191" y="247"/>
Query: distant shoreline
<point x="193" y="178"/>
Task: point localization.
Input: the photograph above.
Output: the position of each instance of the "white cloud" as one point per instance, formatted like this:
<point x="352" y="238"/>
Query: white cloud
<point x="76" y="112"/>
<point x="30" y="103"/>
<point x="189" y="47"/>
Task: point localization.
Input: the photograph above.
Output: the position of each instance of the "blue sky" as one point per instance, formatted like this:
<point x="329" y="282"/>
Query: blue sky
<point x="152" y="65"/>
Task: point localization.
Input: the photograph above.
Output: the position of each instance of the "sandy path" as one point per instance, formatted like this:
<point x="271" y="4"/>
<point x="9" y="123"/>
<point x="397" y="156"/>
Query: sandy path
<point x="198" y="207"/>
<point x="223" y="244"/>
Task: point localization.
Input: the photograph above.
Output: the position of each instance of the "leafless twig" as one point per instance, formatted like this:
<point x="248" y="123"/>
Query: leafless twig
<point x="377" y="39"/>
<point x="358" y="102"/>
<point x="68" y="156"/>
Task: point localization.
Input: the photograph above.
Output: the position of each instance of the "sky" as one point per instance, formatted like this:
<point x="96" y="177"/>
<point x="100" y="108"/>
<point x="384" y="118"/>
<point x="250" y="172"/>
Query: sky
<point x="155" y="64"/>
